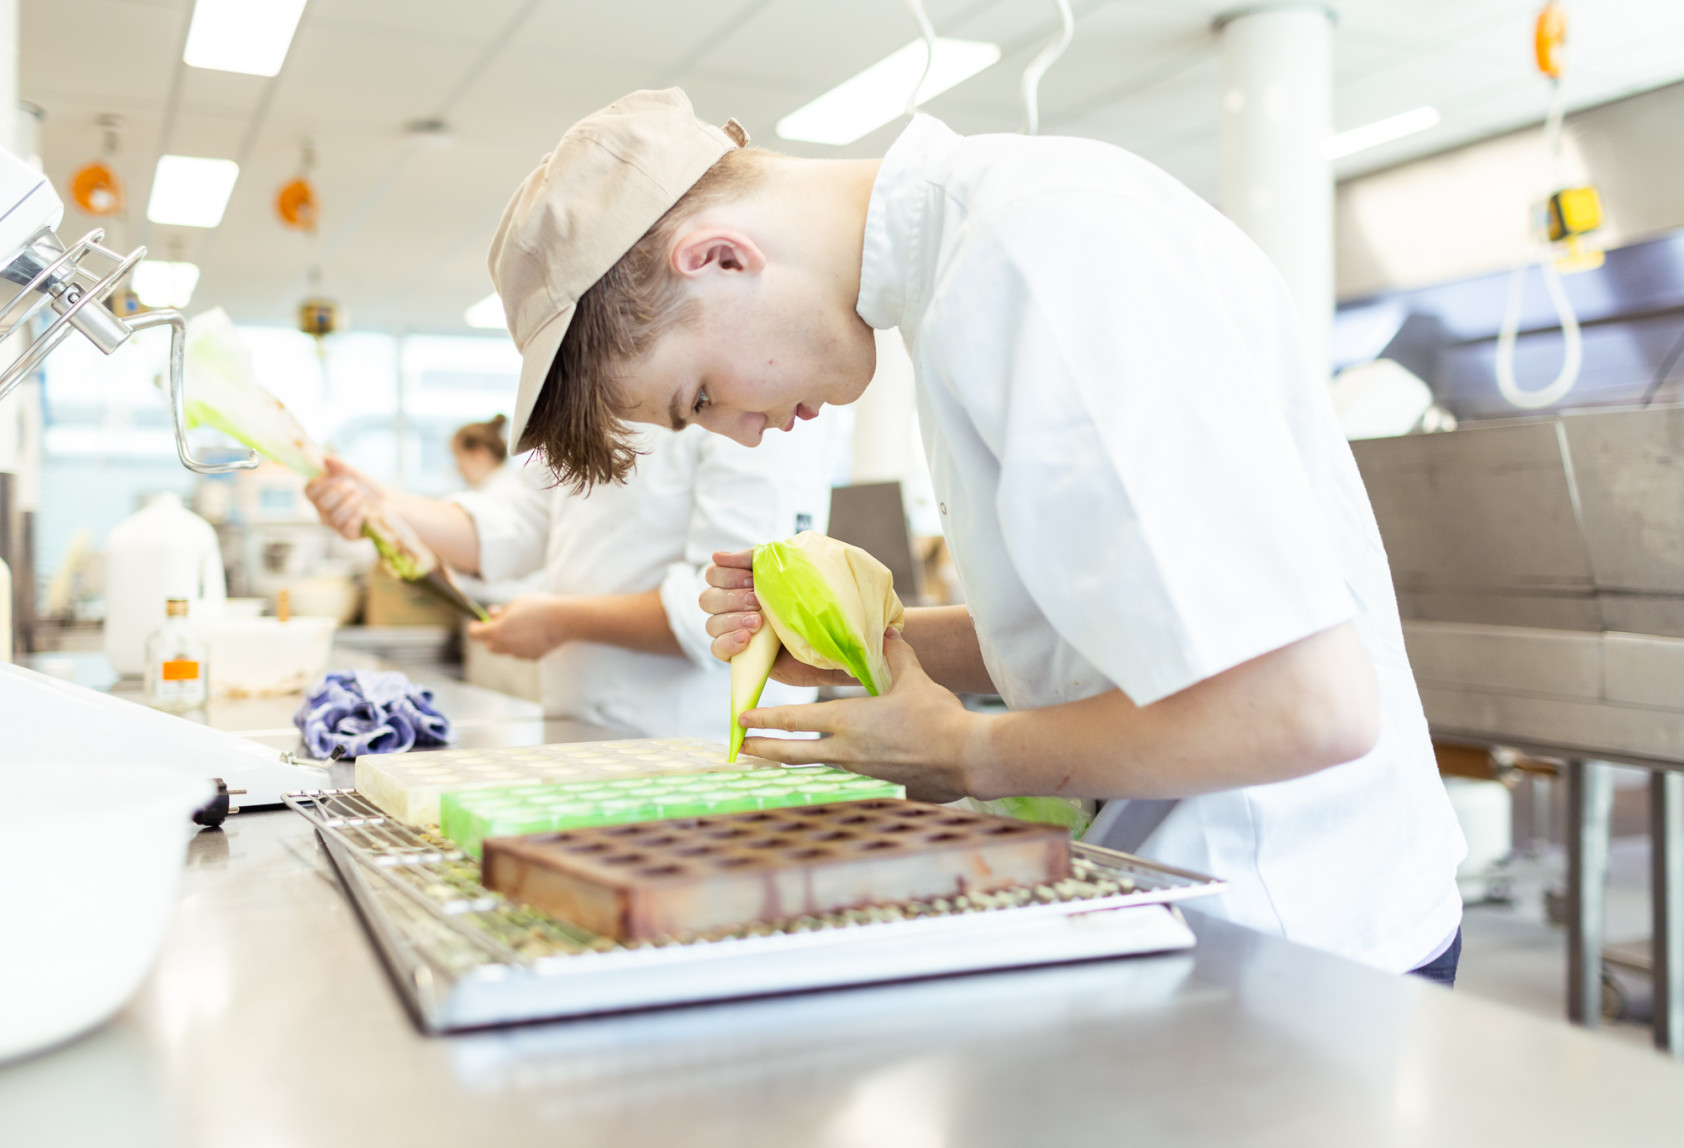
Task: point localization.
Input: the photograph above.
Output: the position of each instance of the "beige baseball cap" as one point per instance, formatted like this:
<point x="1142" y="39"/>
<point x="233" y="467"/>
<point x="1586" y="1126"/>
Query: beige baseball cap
<point x="609" y="180"/>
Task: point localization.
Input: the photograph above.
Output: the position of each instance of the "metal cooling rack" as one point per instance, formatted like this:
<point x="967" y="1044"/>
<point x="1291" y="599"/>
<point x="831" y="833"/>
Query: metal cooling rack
<point x="465" y="957"/>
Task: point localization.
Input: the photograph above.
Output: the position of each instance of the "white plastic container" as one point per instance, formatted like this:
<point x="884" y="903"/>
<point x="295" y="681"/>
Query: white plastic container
<point x="161" y="552"/>
<point x="256" y="657"/>
<point x="105" y="845"/>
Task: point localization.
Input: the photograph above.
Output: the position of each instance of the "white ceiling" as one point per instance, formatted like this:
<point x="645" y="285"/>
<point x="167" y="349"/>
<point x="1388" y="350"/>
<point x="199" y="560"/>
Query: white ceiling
<point x="404" y="226"/>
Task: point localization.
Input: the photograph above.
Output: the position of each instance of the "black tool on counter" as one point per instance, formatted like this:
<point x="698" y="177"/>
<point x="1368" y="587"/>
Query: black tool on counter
<point x="212" y="815"/>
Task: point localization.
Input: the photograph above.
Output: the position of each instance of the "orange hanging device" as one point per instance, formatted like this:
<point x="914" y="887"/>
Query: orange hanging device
<point x="1548" y="39"/>
<point x="96" y="189"/>
<point x="295" y="204"/>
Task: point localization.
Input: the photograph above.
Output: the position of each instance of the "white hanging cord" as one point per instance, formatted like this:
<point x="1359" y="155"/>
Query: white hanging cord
<point x="928" y="31"/>
<point x="1572" y="343"/>
<point x="1552" y="130"/>
<point x="1572" y="351"/>
<point x="1041" y="63"/>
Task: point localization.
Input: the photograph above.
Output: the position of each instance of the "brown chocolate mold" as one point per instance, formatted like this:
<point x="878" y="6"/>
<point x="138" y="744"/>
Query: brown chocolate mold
<point x="670" y="878"/>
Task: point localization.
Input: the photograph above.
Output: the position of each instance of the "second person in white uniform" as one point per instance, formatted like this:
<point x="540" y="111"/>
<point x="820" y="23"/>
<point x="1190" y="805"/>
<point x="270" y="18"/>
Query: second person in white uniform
<point x="616" y="627"/>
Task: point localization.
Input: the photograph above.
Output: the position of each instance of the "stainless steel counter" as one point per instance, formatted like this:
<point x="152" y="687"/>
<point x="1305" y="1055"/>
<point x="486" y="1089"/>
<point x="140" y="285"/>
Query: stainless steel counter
<point x="480" y="717"/>
<point x="270" y="1021"/>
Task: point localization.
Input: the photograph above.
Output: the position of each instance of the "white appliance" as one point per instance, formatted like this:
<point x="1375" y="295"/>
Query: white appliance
<point x="50" y="720"/>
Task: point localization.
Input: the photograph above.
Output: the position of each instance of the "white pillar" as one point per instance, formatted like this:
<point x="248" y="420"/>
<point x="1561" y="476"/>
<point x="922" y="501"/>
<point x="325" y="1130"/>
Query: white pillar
<point x="1277" y="184"/>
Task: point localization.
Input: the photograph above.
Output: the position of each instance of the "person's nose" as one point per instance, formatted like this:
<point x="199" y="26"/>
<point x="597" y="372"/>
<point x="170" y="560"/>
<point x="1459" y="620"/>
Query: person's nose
<point x="738" y="426"/>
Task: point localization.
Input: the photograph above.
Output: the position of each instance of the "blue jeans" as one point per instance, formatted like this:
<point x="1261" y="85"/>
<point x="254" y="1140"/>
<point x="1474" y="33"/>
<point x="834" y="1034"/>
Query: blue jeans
<point x="1442" y="968"/>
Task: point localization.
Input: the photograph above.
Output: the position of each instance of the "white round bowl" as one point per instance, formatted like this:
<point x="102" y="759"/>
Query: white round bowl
<point x="103" y="849"/>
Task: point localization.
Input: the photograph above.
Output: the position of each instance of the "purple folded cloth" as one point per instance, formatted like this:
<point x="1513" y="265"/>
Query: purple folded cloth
<point x="359" y="711"/>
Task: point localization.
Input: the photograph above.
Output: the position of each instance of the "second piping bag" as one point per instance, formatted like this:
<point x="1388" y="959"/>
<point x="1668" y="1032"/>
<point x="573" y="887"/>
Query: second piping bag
<point x="222" y="393"/>
<point x="828" y="603"/>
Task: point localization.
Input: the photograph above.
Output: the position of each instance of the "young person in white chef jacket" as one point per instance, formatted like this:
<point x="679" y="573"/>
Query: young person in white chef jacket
<point x="1172" y="573"/>
<point x="615" y="627"/>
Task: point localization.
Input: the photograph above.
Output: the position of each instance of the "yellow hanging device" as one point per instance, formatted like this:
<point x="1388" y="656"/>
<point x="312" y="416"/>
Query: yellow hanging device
<point x="1569" y="212"/>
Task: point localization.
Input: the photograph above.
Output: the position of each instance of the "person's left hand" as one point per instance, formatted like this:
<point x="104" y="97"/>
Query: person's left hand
<point x="529" y="627"/>
<point x="915" y="734"/>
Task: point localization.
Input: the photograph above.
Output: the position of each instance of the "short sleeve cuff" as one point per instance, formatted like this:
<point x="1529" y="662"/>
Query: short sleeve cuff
<point x="499" y="547"/>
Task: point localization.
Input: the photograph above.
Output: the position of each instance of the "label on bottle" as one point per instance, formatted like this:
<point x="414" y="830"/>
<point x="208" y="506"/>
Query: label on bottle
<point x="180" y="670"/>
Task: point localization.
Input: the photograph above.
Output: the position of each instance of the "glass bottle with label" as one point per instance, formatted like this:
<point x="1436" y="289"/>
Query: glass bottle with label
<point x="176" y="676"/>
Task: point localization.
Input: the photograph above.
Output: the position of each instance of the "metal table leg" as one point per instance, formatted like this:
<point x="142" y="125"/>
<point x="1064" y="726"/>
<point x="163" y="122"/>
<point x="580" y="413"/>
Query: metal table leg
<point x="1590" y="801"/>
<point x="1666" y="851"/>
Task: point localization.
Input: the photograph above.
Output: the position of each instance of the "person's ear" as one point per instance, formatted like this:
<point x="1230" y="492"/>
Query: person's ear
<point x="715" y="249"/>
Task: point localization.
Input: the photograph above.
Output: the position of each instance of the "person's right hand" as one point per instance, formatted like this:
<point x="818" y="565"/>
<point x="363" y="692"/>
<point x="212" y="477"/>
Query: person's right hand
<point x="734" y="616"/>
<point x="345" y="497"/>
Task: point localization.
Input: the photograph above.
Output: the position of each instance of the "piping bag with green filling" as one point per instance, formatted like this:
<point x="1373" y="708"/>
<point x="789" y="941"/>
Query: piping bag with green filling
<point x="222" y="393"/>
<point x="828" y="603"/>
<point x="825" y="601"/>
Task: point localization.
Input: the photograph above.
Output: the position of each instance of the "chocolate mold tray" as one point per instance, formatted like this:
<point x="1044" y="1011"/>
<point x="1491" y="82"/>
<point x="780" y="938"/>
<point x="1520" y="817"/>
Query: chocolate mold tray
<point x="463" y="957"/>
<point x="676" y="878"/>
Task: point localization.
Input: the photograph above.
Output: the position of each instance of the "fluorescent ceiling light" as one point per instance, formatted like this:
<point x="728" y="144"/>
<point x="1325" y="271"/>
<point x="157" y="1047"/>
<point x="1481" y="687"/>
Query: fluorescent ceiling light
<point x="162" y="284"/>
<point x="1381" y="131"/>
<point x="878" y="94"/>
<point x="191" y="191"/>
<point x="250" y="36"/>
<point x="487" y="314"/>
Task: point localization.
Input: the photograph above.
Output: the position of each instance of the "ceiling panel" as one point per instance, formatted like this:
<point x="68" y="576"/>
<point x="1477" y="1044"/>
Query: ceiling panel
<point x="362" y="78"/>
<point x="135" y="46"/>
<point x="404" y="227"/>
<point x="415" y="20"/>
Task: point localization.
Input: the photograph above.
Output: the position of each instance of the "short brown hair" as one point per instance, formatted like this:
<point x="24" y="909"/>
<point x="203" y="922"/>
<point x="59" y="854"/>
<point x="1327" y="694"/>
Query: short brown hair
<point x="577" y="420"/>
<point x="486" y="436"/>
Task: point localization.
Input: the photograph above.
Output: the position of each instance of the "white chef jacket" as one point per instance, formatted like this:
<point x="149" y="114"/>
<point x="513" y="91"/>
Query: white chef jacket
<point x="1143" y="483"/>
<point x="692" y="494"/>
<point x="511" y="480"/>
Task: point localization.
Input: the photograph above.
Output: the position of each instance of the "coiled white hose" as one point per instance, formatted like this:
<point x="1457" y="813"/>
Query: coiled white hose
<point x="1573" y="351"/>
<point x="1573" y="348"/>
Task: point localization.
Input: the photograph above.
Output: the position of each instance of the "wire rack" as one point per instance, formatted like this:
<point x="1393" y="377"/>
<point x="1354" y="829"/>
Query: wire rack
<point x="465" y="957"/>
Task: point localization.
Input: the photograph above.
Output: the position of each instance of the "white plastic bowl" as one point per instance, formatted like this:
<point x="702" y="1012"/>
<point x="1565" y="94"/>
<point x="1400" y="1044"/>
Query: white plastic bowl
<point x="103" y="849"/>
<point x="257" y="657"/>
